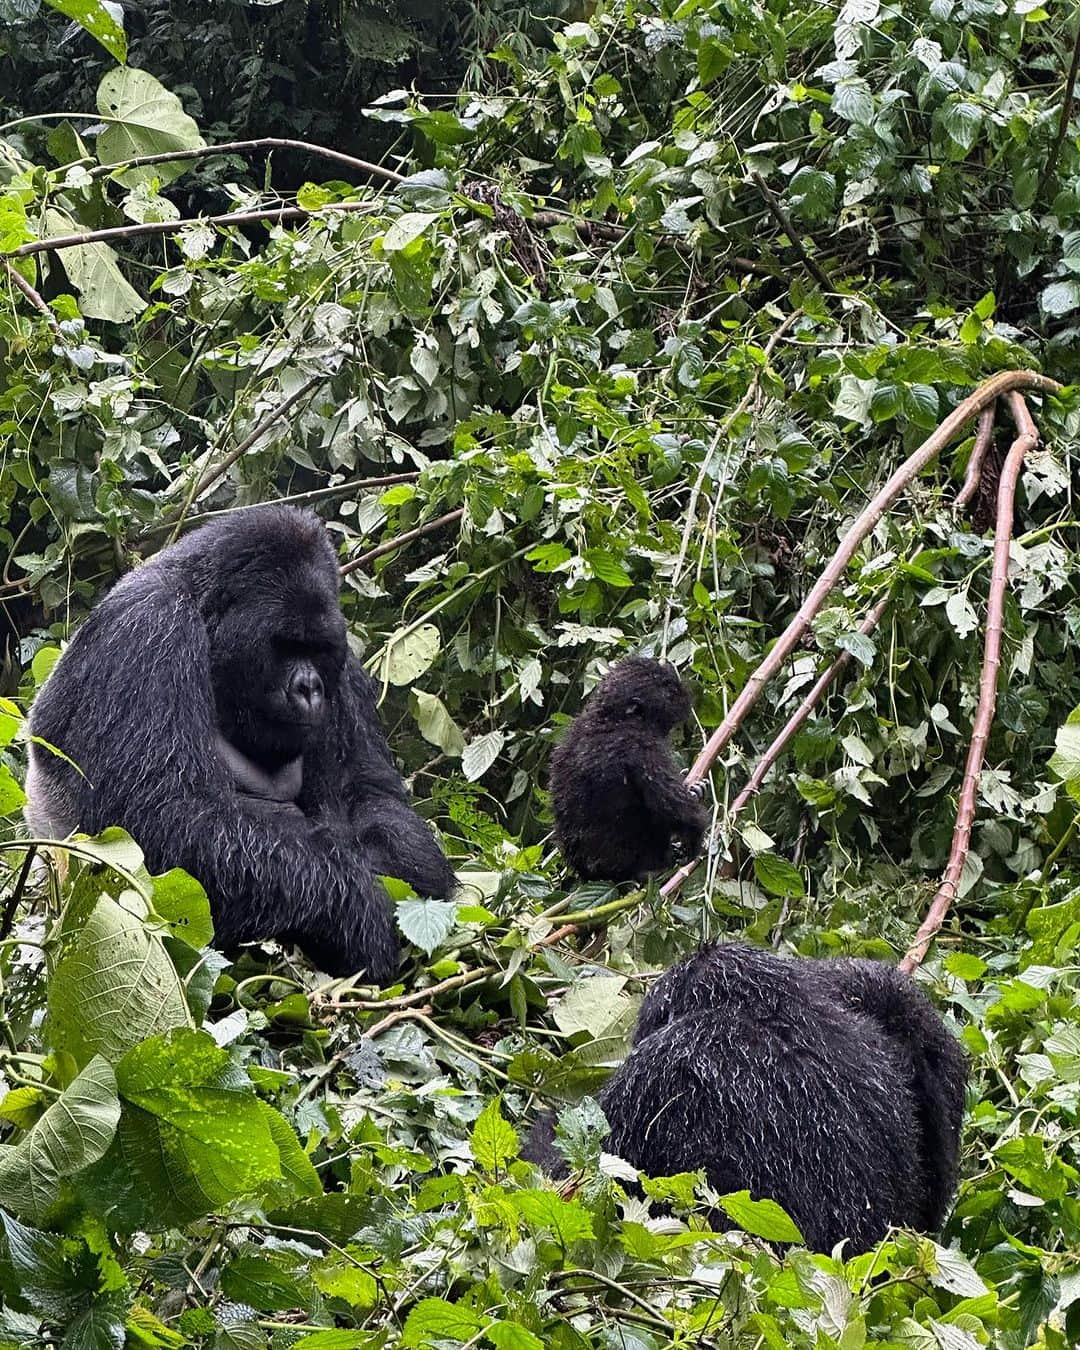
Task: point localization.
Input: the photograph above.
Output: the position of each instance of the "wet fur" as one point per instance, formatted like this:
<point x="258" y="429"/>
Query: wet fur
<point x="621" y="808"/>
<point x="132" y="703"/>
<point x="832" y="1087"/>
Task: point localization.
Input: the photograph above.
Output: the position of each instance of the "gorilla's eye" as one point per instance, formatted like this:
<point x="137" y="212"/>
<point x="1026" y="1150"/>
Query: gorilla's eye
<point x="292" y="649"/>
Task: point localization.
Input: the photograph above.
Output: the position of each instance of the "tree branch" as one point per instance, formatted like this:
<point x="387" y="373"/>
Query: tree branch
<point x="1027" y="439"/>
<point x="973" y="474"/>
<point x="246" y="147"/>
<point x="784" y="221"/>
<point x="152" y="227"/>
<point x="986" y="393"/>
<point x="389" y="545"/>
<point x="21" y="283"/>
<point x="1063" y="121"/>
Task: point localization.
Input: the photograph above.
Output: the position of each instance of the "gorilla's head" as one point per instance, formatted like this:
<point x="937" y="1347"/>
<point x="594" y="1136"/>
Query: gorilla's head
<point x="276" y="632"/>
<point x="642" y="690"/>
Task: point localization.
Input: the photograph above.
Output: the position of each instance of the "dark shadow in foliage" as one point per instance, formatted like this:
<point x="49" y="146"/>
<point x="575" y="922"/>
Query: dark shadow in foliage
<point x="832" y="1087"/>
<point x="217" y="716"/>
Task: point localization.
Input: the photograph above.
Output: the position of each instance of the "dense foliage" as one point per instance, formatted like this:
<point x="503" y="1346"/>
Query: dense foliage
<point x="649" y="313"/>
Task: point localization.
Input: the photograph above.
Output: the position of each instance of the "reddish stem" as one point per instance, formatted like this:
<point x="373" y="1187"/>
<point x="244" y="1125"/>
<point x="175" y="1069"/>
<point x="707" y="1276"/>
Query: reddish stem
<point x="973" y="474"/>
<point x="1027" y="438"/>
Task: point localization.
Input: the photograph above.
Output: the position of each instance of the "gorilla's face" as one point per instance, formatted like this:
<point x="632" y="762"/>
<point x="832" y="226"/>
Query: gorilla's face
<point x="276" y="657"/>
<point x="640" y="689"/>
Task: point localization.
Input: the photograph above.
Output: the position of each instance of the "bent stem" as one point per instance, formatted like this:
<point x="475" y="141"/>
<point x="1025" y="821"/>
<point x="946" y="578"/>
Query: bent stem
<point x="1027" y="439"/>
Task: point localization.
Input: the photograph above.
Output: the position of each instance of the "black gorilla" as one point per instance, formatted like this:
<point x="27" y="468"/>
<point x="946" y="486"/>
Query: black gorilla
<point x="831" y="1087"/>
<point x="617" y="791"/>
<point x="213" y="706"/>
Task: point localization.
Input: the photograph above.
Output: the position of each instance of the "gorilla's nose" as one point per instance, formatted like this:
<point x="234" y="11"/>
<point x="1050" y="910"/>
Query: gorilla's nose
<point x="306" y="691"/>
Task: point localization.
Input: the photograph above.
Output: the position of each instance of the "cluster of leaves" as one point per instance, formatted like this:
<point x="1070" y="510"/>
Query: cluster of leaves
<point x="653" y="309"/>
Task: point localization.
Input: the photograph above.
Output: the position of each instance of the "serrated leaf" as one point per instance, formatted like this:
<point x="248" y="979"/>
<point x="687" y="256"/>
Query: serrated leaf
<point x="338" y="1278"/>
<point x="761" y="1218"/>
<point x="592" y="1005"/>
<point x="54" y="1273"/>
<point x="408" y="655"/>
<point x="181" y="901"/>
<point x="494" y="1140"/>
<point x="962" y="121"/>
<point x="144" y="118"/>
<point x="299" y="1177"/>
<point x="568" y="1220"/>
<point x="853" y="101"/>
<point x="778" y="876"/>
<point x="426" y="923"/>
<point x="1061" y="297"/>
<point x="513" y="1336"/>
<point x="481" y="753"/>
<point x="433" y="1319"/>
<point x="74" y="1132"/>
<point x="606" y="568"/>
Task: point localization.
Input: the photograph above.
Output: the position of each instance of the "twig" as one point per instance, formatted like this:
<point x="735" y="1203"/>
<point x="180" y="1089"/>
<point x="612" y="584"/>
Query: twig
<point x="602" y="229"/>
<point x="973" y="473"/>
<point x="1063" y="121"/>
<point x="803" y="711"/>
<point x="391" y="1018"/>
<point x="21" y="283"/>
<point x="1027" y="439"/>
<point x="152" y="227"/>
<point x="216" y="471"/>
<point x="8" y="920"/>
<point x="389" y="545"/>
<point x="784" y="220"/>
<point x="242" y="147"/>
<point x="986" y="393"/>
<point x="418" y="996"/>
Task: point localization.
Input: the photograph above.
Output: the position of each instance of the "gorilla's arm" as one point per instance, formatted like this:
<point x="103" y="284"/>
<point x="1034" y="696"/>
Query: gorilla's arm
<point x="352" y="772"/>
<point x="666" y="797"/>
<point x="146" y="738"/>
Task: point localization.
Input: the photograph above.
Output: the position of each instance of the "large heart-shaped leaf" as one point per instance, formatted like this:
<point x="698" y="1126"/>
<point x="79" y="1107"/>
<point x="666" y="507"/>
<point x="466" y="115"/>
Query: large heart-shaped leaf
<point x="144" y="119"/>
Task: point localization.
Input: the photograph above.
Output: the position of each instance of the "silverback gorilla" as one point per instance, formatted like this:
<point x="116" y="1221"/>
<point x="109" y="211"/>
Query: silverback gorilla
<point x="831" y="1087"/>
<point x="617" y="792"/>
<point x="212" y="704"/>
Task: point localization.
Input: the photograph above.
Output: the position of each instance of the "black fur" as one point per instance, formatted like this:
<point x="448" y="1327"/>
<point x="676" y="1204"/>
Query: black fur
<point x="236" y="631"/>
<point x="616" y="789"/>
<point x="832" y="1087"/>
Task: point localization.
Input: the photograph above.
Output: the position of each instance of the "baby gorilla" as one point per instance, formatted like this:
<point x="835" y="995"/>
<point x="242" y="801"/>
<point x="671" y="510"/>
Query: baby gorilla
<point x="831" y="1087"/>
<point x="616" y="789"/>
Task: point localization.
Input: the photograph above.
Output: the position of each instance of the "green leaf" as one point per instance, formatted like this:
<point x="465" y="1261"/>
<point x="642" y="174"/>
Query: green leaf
<point x="778" y="876"/>
<point x="144" y="119"/>
<point x="54" y="1273"/>
<point x="104" y="292"/>
<point x="113" y="986"/>
<point x="199" y="1136"/>
<point x="761" y="1218"/>
<point x="548" y="557"/>
<point x="853" y="101"/>
<point x="407" y="655"/>
<point x="338" y="1278"/>
<point x="436" y="725"/>
<point x="98" y="22"/>
<point x="1061" y="297"/>
<point x="481" y="753"/>
<point x="100" y="1327"/>
<point x="494" y="1140"/>
<point x="513" y="1336"/>
<point x="12" y="797"/>
<point x="74" y="1132"/>
<point x="433" y="1319"/>
<point x="426" y="923"/>
<point x="181" y="901"/>
<point x="299" y="1177"/>
<point x="962" y="121"/>
<point x="593" y="1005"/>
<point x="606" y="568"/>
<point x="568" y="1220"/>
<point x="409" y="226"/>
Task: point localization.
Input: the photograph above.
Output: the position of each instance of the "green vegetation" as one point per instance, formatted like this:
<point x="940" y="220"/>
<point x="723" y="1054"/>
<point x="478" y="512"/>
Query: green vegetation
<point x="643" y="318"/>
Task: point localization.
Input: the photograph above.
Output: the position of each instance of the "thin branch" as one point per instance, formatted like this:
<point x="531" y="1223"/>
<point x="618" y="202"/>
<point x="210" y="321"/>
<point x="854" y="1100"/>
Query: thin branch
<point x="389" y="545"/>
<point x="152" y="227"/>
<point x="614" y="234"/>
<point x="10" y="909"/>
<point x="986" y="393"/>
<point x="784" y="220"/>
<point x="244" y="147"/>
<point x="1027" y="439"/>
<point x="803" y="711"/>
<point x="216" y="471"/>
<point x="21" y="283"/>
<point x="391" y="1018"/>
<point x="1063" y="121"/>
<point x="973" y="474"/>
<point x="293" y="499"/>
